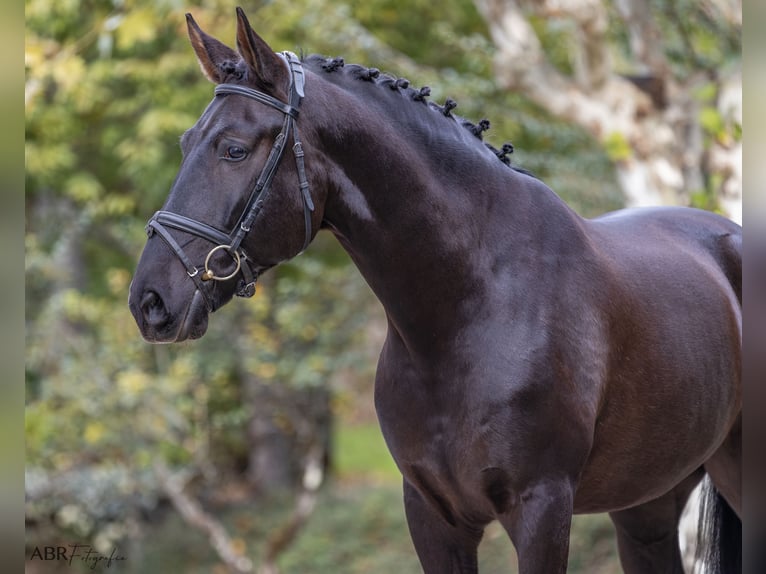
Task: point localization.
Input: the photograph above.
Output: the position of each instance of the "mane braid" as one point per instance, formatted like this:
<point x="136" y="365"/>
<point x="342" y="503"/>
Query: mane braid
<point x="449" y="105"/>
<point x="422" y="94"/>
<point x="402" y="85"/>
<point x="370" y="74"/>
<point x="333" y="64"/>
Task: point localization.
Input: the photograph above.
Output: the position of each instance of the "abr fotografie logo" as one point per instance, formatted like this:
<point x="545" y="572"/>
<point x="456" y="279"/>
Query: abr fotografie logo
<point x="77" y="553"/>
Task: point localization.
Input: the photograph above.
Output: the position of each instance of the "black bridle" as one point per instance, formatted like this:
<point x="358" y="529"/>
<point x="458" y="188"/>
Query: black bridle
<point x="231" y="242"/>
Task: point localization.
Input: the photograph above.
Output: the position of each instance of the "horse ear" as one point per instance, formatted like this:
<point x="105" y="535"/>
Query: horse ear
<point x="210" y="52"/>
<point x="267" y="66"/>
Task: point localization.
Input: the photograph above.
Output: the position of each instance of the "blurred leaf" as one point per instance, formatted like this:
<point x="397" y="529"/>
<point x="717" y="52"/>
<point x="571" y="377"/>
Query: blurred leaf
<point x="712" y="121"/>
<point x="138" y="25"/>
<point x="83" y="187"/>
<point x="617" y="147"/>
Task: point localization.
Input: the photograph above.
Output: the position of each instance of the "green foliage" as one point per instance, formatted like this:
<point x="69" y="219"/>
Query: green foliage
<point x="717" y="125"/>
<point x="454" y="31"/>
<point x="694" y="38"/>
<point x="556" y="37"/>
<point x="110" y="87"/>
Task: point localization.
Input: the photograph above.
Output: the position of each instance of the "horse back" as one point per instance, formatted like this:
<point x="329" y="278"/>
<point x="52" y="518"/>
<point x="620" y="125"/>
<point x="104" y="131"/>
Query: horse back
<point x="673" y="235"/>
<point x="673" y="280"/>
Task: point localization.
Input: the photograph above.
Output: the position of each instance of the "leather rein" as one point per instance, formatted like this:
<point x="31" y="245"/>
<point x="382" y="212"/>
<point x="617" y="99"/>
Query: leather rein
<point x="231" y="242"/>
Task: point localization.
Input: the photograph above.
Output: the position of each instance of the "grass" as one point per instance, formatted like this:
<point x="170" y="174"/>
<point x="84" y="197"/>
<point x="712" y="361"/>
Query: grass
<point x="360" y="451"/>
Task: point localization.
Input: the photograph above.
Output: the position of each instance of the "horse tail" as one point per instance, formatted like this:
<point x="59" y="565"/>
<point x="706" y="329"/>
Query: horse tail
<point x="719" y="534"/>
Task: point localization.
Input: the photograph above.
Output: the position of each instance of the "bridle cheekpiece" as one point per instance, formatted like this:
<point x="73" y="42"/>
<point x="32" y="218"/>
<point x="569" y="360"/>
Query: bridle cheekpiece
<point x="231" y="242"/>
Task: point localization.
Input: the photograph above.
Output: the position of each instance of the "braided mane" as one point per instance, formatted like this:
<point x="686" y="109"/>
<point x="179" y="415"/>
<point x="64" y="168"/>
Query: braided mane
<point x="416" y="95"/>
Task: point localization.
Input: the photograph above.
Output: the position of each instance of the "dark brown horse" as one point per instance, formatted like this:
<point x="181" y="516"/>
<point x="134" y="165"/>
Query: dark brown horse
<point x="537" y="364"/>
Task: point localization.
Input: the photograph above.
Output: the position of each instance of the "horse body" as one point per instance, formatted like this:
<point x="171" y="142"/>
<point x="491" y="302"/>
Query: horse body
<point x="487" y="290"/>
<point x="536" y="364"/>
<point x="606" y="394"/>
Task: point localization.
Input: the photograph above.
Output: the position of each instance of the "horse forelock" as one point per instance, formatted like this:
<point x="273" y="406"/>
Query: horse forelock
<point x="233" y="70"/>
<point x="337" y="68"/>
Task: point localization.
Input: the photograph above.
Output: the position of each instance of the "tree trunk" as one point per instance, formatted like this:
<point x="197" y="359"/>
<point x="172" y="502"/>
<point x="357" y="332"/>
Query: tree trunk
<point x="286" y="424"/>
<point x="648" y="122"/>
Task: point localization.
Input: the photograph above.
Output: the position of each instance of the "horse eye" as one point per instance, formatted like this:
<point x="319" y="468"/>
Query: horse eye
<point x="235" y="153"/>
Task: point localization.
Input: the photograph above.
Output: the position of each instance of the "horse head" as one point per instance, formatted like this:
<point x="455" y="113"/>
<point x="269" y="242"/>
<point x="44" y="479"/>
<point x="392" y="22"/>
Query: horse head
<point x="241" y="202"/>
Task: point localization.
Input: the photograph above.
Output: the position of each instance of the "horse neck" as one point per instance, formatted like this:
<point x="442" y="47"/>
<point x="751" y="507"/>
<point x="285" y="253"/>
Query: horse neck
<point x="433" y="236"/>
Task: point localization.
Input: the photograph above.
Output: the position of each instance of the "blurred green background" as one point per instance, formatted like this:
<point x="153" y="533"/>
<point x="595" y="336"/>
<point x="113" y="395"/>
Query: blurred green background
<point x="112" y="423"/>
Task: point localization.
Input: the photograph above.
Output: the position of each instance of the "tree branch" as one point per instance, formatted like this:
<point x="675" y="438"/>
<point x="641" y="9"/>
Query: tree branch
<point x="652" y="114"/>
<point x="521" y="64"/>
<point x="643" y="36"/>
<point x="592" y="60"/>
<point x="191" y="511"/>
<point x="728" y="10"/>
<point x="313" y="477"/>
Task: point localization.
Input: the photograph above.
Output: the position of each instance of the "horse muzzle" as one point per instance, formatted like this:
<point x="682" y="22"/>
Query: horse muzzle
<point x="159" y="324"/>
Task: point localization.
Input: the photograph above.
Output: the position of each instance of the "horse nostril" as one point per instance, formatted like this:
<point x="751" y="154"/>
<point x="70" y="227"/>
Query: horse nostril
<point x="153" y="309"/>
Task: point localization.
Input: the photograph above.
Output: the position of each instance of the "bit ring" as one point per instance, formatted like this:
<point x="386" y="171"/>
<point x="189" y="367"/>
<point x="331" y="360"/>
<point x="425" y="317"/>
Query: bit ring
<point x="209" y="275"/>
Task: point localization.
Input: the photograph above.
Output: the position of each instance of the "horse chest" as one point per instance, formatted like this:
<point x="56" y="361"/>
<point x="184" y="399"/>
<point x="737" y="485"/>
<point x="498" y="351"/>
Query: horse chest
<point x="443" y="437"/>
<point x="417" y="427"/>
<point x="472" y="438"/>
<point x="435" y="452"/>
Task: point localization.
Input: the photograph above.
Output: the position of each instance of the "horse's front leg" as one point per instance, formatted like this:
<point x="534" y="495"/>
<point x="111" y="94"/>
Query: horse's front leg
<point x="442" y="548"/>
<point x="539" y="525"/>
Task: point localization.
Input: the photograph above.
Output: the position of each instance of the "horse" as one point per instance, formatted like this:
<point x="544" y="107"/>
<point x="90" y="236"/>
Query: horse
<point x="537" y="364"/>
